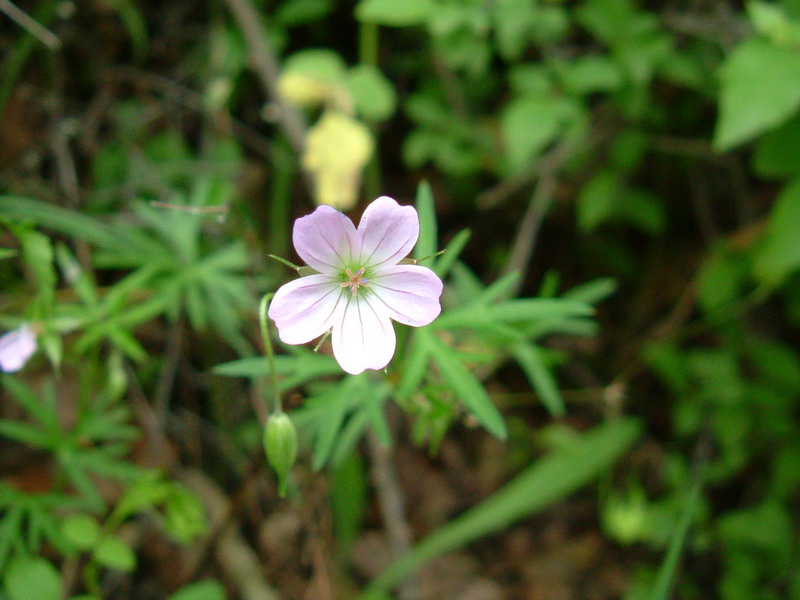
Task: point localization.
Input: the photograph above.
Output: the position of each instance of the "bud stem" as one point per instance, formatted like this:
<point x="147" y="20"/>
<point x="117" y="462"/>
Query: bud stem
<point x="263" y="322"/>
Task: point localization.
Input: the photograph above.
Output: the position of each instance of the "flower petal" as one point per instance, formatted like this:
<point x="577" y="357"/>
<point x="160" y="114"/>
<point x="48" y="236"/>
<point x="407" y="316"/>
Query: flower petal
<point x="305" y="308"/>
<point x="363" y="337"/>
<point x="387" y="232"/>
<point x="325" y="239"/>
<point x="410" y="293"/>
<point x="16" y="348"/>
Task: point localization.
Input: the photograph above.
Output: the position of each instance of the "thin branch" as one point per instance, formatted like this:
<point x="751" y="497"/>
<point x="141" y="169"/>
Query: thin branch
<point x="541" y="200"/>
<point x="265" y="64"/>
<point x="390" y="496"/>
<point x="193" y="99"/>
<point x="31" y="25"/>
<point x="169" y="369"/>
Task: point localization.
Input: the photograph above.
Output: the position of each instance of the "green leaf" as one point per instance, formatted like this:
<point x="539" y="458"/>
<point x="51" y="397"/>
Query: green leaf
<point x="29" y="578"/>
<point x="38" y="253"/>
<point x="779" y="253"/>
<point x="530" y="359"/>
<point x="185" y="517"/>
<point x="135" y="23"/>
<point x="373" y="94"/>
<point x="427" y="243"/>
<point x="607" y="198"/>
<point x="597" y="199"/>
<point x="548" y="480"/>
<point x="113" y="553"/>
<point x="721" y="279"/>
<point x="297" y="12"/>
<point x="59" y="219"/>
<point x="669" y="566"/>
<point x="319" y="63"/>
<point x="513" y="22"/>
<point x="778" y="152"/>
<point x="590" y="74"/>
<point x="82" y="531"/>
<point x="348" y="490"/>
<point x="771" y="21"/>
<point x="760" y="90"/>
<point x="521" y="310"/>
<point x="297" y="369"/>
<point x="468" y="389"/>
<point x="208" y="589"/>
<point x="416" y="363"/>
<point x="528" y="126"/>
<point x="451" y="253"/>
<point x="593" y="291"/>
<point x="394" y="13"/>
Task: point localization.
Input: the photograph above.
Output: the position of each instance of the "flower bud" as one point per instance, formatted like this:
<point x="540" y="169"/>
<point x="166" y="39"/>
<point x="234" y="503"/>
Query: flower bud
<point x="280" y="445"/>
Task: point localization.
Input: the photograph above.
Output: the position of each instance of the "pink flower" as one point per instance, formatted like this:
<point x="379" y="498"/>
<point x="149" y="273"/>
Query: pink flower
<point x="16" y="348"/>
<point x="359" y="285"/>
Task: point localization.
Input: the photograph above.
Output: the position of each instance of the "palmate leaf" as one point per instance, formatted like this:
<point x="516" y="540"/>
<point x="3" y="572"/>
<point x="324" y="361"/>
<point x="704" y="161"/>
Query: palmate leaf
<point x="541" y="378"/>
<point x="27" y="520"/>
<point x="525" y="310"/>
<point x="467" y="388"/>
<point x="26" y="433"/>
<point x="416" y="363"/>
<point x="293" y="370"/>
<point x="337" y="418"/>
<point x="42" y="408"/>
<point x="59" y="219"/>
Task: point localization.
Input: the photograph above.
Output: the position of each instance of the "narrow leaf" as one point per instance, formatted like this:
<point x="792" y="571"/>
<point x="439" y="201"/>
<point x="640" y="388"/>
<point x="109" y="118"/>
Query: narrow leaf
<point x="426" y="245"/>
<point x="549" y="480"/>
<point x="468" y="389"/>
<point x="529" y="358"/>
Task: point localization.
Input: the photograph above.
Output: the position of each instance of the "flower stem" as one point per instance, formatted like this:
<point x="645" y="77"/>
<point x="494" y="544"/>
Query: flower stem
<point x="264" y="325"/>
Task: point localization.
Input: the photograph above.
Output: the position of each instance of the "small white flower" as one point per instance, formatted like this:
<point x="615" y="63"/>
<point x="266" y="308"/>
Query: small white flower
<point x="16" y="348"/>
<point x="359" y="286"/>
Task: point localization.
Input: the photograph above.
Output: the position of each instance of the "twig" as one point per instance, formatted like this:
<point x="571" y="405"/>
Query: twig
<point x="65" y="165"/>
<point x="265" y="64"/>
<point x="722" y="26"/>
<point x="237" y="560"/>
<point x="169" y="369"/>
<point x="31" y="25"/>
<point x="541" y="200"/>
<point x="192" y="99"/>
<point x="390" y="496"/>
<point x="702" y="207"/>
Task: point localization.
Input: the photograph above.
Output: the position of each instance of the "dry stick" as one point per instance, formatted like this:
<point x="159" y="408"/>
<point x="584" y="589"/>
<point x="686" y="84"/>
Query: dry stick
<point x="265" y="65"/>
<point x="29" y="24"/>
<point x="390" y="496"/>
<point x="541" y="200"/>
<point x="236" y="559"/>
<point x="169" y="370"/>
<point x="191" y="99"/>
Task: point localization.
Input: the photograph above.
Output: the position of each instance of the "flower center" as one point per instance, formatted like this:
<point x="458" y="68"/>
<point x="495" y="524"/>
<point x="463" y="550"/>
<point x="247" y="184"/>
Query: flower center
<point x="355" y="280"/>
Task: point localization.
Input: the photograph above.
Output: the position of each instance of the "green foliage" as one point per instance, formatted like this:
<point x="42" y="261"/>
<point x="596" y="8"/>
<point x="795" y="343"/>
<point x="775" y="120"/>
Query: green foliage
<point x="30" y="578"/>
<point x="140" y="272"/>
<point x="386" y="12"/>
<point x="208" y="589"/>
<point x="755" y="99"/>
<point x="779" y="254"/>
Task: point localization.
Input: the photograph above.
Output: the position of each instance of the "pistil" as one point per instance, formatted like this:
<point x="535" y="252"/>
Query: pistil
<point x="355" y="280"/>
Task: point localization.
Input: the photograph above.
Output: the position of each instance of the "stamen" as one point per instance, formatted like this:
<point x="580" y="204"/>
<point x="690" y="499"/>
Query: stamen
<point x="354" y="280"/>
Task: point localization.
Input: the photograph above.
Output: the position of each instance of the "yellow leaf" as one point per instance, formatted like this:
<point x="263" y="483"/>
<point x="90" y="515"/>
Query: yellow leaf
<point x="337" y="149"/>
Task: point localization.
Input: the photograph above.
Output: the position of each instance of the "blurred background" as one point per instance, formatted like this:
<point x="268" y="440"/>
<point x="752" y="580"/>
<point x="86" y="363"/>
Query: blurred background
<point x="624" y="173"/>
